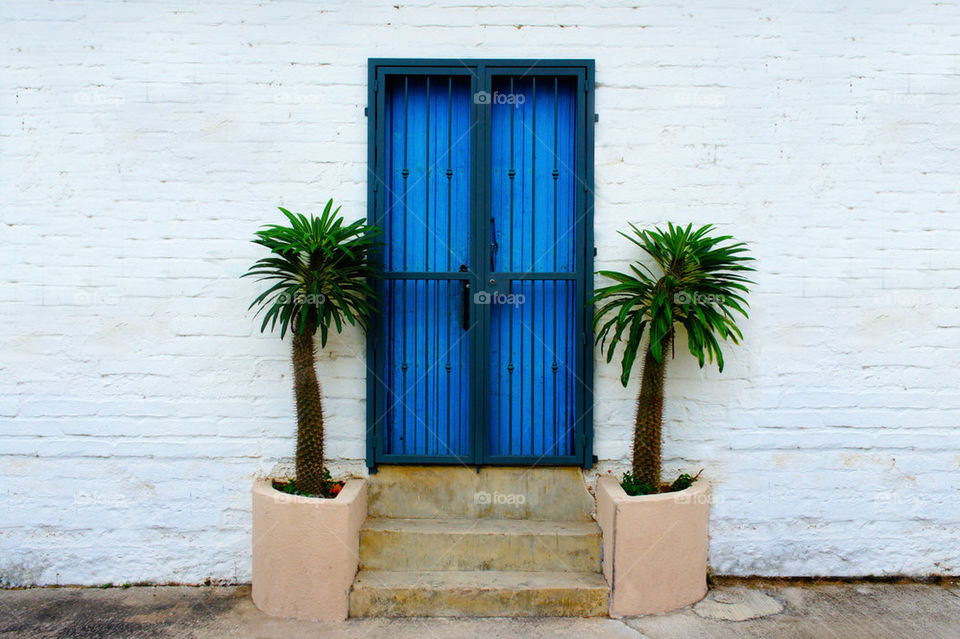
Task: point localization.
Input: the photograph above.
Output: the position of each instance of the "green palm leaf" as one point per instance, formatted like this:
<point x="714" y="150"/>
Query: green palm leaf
<point x="697" y="280"/>
<point x="317" y="270"/>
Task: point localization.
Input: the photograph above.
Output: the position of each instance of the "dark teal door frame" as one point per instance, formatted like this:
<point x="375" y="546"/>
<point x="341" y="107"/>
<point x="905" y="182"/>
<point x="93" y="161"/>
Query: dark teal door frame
<point x="483" y="353"/>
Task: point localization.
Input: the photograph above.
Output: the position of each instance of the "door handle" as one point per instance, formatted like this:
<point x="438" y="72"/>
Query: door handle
<point x="465" y="301"/>
<point x="493" y="244"/>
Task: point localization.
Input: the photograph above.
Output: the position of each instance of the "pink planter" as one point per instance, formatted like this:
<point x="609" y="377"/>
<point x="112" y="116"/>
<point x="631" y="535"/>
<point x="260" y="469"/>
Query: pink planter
<point x="654" y="547"/>
<point x="306" y="551"/>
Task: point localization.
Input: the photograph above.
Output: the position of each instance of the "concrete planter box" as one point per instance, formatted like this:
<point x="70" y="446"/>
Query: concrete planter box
<point x="654" y="547"/>
<point x="306" y="551"/>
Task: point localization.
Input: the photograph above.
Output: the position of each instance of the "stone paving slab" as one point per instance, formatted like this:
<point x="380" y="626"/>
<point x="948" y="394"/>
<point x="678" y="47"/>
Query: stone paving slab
<point x="737" y="609"/>
<point x="788" y="611"/>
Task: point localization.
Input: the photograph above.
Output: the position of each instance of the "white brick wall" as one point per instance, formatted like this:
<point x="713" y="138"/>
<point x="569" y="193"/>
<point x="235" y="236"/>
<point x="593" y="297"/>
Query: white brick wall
<point x="143" y="143"/>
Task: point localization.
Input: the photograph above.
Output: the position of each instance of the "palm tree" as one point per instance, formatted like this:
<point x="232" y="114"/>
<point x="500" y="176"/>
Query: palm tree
<point x="318" y="269"/>
<point x="699" y="285"/>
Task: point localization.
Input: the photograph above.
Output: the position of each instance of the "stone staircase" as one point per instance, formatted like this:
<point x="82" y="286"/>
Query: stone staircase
<point x="504" y="542"/>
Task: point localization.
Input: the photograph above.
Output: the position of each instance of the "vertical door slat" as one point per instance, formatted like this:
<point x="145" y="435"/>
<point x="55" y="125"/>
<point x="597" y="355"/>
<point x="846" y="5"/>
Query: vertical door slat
<point x="424" y="366"/>
<point x="532" y="185"/>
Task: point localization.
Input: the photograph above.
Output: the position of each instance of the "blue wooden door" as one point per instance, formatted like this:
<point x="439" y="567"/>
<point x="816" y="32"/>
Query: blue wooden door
<point x="479" y="180"/>
<point x="425" y="369"/>
<point x="534" y="328"/>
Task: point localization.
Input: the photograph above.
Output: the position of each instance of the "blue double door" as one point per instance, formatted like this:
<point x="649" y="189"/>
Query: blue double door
<point x="481" y="181"/>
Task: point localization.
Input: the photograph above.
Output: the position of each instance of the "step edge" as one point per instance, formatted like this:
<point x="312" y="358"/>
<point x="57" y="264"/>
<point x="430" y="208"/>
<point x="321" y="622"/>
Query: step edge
<point x="538" y="527"/>
<point x="565" y="578"/>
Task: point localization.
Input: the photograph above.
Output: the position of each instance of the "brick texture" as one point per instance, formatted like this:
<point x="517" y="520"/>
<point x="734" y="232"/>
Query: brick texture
<point x="141" y="144"/>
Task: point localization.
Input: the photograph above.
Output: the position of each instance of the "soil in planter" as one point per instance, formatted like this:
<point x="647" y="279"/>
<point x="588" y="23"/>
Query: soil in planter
<point x="330" y="488"/>
<point x="634" y="487"/>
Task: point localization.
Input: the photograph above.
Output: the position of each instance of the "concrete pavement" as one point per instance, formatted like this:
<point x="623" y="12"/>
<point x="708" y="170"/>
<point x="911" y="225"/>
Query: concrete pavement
<point x="733" y="609"/>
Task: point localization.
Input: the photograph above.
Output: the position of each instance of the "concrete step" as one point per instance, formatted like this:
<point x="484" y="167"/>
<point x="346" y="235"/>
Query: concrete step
<point x="478" y="594"/>
<point x="480" y="544"/>
<point x="546" y="494"/>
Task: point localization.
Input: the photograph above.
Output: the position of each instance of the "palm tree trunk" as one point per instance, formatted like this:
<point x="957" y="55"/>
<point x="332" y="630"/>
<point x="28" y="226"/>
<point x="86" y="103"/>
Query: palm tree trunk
<point x="309" y="416"/>
<point x="647" y="431"/>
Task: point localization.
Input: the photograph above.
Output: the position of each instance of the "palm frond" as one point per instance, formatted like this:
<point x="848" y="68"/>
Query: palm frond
<point x="697" y="280"/>
<point x="317" y="273"/>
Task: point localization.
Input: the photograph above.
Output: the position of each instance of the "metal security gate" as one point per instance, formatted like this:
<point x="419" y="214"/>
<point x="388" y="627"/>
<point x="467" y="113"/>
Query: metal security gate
<point x="481" y="177"/>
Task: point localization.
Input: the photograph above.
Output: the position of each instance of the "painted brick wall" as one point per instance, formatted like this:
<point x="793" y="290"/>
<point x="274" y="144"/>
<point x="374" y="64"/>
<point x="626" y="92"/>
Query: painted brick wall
<point x="141" y="145"/>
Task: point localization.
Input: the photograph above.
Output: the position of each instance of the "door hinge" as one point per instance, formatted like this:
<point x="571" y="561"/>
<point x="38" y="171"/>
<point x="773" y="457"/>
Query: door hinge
<point x="366" y="112"/>
<point x="596" y="117"/>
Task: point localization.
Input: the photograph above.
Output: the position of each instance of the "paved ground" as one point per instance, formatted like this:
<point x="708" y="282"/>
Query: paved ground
<point x="733" y="609"/>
